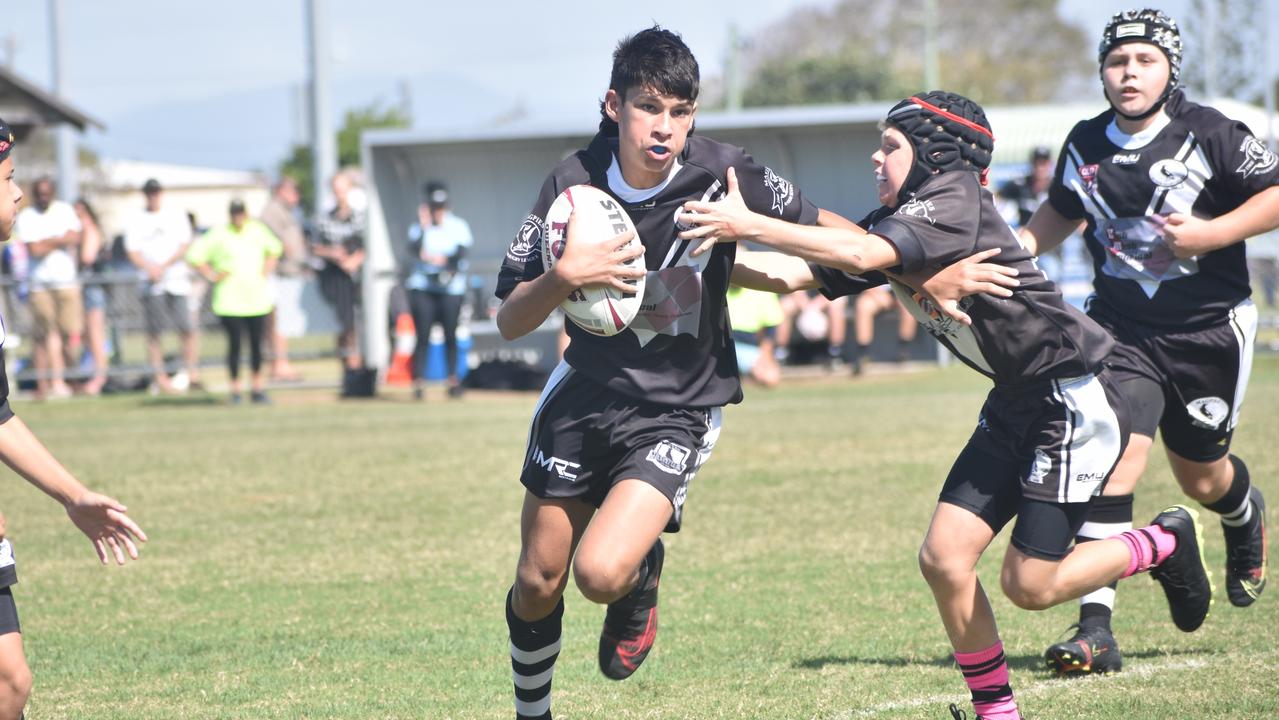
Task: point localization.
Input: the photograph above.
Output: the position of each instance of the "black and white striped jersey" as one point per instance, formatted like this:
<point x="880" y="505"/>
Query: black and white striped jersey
<point x="1195" y="160"/>
<point x="678" y="351"/>
<point x="1026" y="339"/>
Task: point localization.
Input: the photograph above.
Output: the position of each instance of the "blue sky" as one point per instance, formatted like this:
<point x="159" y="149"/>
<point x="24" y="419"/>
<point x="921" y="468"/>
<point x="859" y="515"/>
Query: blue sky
<point x="215" y="84"/>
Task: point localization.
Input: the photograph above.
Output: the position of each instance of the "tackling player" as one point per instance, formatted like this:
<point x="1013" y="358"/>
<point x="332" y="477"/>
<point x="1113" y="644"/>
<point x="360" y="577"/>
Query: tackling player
<point x="97" y="516"/>
<point x="1050" y="431"/>
<point x="1170" y="190"/>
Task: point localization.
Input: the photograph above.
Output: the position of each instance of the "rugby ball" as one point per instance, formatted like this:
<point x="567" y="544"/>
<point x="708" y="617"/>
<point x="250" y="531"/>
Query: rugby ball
<point x="600" y="309"/>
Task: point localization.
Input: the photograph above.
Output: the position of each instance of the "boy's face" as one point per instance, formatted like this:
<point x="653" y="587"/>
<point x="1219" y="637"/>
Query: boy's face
<point x="1134" y="75"/>
<point x="10" y="196"/>
<point x="893" y="162"/>
<point x="652" y="131"/>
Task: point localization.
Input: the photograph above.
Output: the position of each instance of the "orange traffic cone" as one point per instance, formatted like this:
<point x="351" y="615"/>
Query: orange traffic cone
<point x="400" y="371"/>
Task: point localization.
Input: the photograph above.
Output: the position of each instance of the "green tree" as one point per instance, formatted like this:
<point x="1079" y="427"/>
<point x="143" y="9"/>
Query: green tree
<point x="1010" y="51"/>
<point x="300" y="163"/>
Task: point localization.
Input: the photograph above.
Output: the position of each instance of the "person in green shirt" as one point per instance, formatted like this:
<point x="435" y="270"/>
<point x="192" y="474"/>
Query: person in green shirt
<point x="237" y="258"/>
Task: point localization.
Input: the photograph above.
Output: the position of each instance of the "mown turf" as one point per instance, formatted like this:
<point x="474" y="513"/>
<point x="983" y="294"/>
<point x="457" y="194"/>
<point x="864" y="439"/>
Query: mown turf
<point x="319" y="559"/>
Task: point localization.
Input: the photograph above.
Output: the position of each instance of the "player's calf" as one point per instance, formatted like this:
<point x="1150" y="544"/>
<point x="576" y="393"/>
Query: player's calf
<point x="630" y="625"/>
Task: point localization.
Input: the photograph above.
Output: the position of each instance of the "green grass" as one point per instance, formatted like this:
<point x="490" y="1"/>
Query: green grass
<point x="317" y="559"/>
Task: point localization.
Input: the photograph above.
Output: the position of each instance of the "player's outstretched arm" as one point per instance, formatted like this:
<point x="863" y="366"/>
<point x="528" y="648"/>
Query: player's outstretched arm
<point x="582" y="264"/>
<point x="772" y="272"/>
<point x="1046" y="229"/>
<point x="729" y="220"/>
<point x="99" y="517"/>
<point x="1189" y="236"/>
<point x="969" y="276"/>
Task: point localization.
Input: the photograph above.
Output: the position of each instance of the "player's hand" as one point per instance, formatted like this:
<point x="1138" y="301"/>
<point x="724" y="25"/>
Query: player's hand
<point x="725" y="220"/>
<point x="102" y="519"/>
<point x="969" y="276"/>
<point x="4" y="527"/>
<point x="586" y="263"/>
<point x="1187" y="235"/>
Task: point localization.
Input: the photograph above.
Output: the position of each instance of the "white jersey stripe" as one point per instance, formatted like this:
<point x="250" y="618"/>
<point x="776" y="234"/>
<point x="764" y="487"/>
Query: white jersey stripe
<point x="714" y="422"/>
<point x="530" y="657"/>
<point x="1243" y="320"/>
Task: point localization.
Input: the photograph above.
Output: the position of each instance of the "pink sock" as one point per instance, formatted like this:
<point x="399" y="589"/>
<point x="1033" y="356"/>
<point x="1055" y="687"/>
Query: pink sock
<point x="986" y="673"/>
<point x="1147" y="547"/>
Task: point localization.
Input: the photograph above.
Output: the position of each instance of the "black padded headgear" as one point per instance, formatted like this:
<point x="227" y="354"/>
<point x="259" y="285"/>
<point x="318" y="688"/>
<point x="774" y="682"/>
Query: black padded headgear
<point x="1148" y="26"/>
<point x="6" y="140"/>
<point x="947" y="131"/>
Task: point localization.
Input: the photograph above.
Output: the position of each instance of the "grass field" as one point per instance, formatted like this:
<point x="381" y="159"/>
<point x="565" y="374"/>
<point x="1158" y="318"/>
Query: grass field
<point x="317" y="559"/>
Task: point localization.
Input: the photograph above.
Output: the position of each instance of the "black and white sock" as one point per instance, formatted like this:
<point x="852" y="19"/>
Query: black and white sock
<point x="1235" y="507"/>
<point x="534" y="648"/>
<point x="1107" y="516"/>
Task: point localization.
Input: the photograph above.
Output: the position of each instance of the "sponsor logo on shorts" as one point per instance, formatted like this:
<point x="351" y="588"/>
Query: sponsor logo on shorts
<point x="1090" y="477"/>
<point x="669" y="457"/>
<point x="1169" y="173"/>
<point x="1257" y="158"/>
<point x="1040" y="468"/>
<point x="563" y="468"/>
<point x="1208" y="412"/>
<point x="527" y="239"/>
<point x="782" y="189"/>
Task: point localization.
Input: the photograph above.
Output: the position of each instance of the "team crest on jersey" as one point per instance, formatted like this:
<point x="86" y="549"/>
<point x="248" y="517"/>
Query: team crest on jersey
<point x="1088" y="175"/>
<point x="1257" y="158"/>
<point x="669" y="457"/>
<point x="1208" y="412"/>
<point x="1040" y="468"/>
<point x="1169" y="173"/>
<point x="920" y="209"/>
<point x="782" y="189"/>
<point x="527" y="239"/>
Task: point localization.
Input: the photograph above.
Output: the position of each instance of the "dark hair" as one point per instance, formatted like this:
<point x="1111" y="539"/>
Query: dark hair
<point x="88" y="209"/>
<point x="654" y="59"/>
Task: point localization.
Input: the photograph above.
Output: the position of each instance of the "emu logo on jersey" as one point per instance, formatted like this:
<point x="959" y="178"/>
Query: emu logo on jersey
<point x="563" y="468"/>
<point x="1040" y="468"/>
<point x="1257" y="159"/>
<point x="1088" y="175"/>
<point x="1125" y="158"/>
<point x="669" y="457"/>
<point x="527" y="239"/>
<point x="1208" y="412"/>
<point x="920" y="209"/>
<point x="1169" y="173"/>
<point x="783" y="191"/>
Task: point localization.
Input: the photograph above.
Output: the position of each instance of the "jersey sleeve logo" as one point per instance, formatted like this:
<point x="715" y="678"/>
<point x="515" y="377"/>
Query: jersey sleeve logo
<point x="1088" y="176"/>
<point x="920" y="209"/>
<point x="1169" y="173"/>
<point x="527" y="239"/>
<point x="782" y="189"/>
<point x="1257" y="158"/>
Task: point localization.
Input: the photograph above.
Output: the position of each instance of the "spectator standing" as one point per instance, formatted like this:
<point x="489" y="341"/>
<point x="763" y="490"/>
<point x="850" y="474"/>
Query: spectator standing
<point x="156" y="241"/>
<point x="51" y="232"/>
<point x="339" y="246"/>
<point x="238" y="259"/>
<point x="281" y="217"/>
<point x="439" y="242"/>
<point x="92" y="261"/>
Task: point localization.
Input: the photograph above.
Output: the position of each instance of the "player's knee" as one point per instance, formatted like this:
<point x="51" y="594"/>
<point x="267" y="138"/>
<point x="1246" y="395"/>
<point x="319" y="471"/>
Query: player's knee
<point x="601" y="581"/>
<point x="1202" y="483"/>
<point x="538" y="586"/>
<point x="15" y="685"/>
<point x="938" y="568"/>
<point x="1024" y="593"/>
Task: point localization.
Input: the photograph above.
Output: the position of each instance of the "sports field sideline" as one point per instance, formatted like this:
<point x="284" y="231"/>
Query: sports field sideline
<point x="322" y="559"/>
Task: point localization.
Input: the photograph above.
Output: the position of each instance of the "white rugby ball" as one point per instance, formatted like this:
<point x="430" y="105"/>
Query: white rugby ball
<point x="600" y="309"/>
